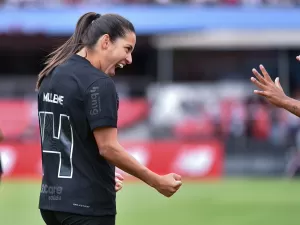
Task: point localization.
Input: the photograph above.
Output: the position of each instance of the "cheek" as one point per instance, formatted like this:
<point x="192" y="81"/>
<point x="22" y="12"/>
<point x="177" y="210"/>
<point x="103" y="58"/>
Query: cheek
<point x="116" y="54"/>
<point x="119" y="54"/>
<point x="110" y="56"/>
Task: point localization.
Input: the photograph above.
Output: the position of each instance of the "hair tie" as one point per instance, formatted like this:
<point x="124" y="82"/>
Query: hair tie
<point x="96" y="17"/>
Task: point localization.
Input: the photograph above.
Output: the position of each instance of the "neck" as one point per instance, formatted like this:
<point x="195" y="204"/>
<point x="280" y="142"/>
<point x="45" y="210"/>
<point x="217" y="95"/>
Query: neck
<point x="90" y="56"/>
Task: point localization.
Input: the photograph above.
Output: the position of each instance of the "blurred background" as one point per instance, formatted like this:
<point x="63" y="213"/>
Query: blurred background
<point x="186" y="106"/>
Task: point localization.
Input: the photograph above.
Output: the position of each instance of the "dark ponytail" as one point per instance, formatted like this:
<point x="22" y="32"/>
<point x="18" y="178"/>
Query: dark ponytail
<point x="70" y="47"/>
<point x="90" y="27"/>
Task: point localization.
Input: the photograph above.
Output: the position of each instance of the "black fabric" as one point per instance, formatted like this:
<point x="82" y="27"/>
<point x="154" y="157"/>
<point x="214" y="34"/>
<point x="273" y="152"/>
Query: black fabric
<point x="60" y="218"/>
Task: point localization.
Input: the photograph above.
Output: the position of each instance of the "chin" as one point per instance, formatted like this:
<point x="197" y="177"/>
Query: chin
<point x="112" y="73"/>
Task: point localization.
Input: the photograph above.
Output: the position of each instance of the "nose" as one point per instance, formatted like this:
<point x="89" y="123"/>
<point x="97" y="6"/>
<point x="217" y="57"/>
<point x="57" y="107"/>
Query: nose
<point x="129" y="59"/>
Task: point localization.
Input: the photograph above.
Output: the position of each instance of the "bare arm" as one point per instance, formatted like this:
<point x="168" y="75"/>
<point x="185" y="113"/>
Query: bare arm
<point x="113" y="152"/>
<point x="292" y="105"/>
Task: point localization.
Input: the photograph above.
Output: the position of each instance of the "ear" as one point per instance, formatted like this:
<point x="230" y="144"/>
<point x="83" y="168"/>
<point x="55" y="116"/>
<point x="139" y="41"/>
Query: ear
<point x="105" y="41"/>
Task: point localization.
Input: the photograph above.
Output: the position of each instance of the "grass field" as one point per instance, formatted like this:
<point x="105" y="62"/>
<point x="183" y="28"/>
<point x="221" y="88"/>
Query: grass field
<point x="229" y="202"/>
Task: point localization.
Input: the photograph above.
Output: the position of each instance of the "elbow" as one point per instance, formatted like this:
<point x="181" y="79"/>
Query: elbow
<point x="107" y="150"/>
<point x="103" y="149"/>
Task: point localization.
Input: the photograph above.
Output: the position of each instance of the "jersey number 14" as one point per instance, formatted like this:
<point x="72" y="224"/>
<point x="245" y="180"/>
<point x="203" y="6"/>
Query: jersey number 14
<point x="58" y="140"/>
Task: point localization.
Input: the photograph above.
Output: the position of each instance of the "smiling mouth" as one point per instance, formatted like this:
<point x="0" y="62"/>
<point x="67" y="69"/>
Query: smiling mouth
<point x="119" y="65"/>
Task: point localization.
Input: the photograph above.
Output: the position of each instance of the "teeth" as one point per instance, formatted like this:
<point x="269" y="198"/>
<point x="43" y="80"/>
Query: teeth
<point x="120" y="65"/>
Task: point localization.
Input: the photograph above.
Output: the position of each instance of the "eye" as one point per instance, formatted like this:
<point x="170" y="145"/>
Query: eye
<point x="128" y="49"/>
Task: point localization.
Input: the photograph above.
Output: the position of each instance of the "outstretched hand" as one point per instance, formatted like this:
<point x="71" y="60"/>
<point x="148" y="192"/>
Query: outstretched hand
<point x="272" y="91"/>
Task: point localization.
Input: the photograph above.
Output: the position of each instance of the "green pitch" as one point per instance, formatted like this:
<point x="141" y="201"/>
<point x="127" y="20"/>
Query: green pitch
<point x="228" y="202"/>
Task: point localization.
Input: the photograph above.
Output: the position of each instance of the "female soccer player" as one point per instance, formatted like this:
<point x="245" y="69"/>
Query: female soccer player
<point x="78" y="105"/>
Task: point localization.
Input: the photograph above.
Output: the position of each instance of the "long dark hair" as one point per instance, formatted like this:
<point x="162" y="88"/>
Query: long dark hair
<point x="89" y="28"/>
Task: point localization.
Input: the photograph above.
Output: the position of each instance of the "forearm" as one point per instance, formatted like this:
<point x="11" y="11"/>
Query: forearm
<point x="121" y="159"/>
<point x="292" y="105"/>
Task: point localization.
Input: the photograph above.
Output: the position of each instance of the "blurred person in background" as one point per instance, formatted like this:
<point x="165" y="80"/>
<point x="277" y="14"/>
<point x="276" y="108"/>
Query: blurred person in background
<point x="273" y="92"/>
<point x="251" y="2"/>
<point x="94" y="2"/>
<point x="279" y="2"/>
<point x="78" y="113"/>
<point x="293" y="122"/>
<point x="205" y="2"/>
<point x="1" y="136"/>
<point x="1" y="169"/>
<point x="293" y="167"/>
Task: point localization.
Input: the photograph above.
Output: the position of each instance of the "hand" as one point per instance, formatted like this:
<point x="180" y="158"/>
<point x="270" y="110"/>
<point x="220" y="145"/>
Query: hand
<point x="272" y="91"/>
<point x="119" y="182"/>
<point x="169" y="184"/>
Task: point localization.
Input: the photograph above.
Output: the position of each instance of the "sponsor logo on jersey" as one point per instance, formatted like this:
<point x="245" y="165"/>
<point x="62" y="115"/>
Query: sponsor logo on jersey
<point x="95" y="101"/>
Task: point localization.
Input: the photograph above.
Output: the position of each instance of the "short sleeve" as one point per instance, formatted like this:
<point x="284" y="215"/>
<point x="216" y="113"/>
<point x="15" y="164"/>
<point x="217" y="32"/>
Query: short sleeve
<point x="101" y="104"/>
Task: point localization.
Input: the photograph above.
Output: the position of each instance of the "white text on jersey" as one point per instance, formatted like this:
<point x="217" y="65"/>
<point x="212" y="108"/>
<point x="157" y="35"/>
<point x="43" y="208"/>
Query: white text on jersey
<point x="53" y="98"/>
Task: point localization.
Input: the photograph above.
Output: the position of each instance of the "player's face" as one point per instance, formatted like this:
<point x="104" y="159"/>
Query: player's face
<point x="117" y="54"/>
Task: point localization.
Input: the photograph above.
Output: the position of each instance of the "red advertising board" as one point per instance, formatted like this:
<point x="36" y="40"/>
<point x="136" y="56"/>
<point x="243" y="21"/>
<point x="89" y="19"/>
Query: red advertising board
<point x="189" y="159"/>
<point x="131" y="111"/>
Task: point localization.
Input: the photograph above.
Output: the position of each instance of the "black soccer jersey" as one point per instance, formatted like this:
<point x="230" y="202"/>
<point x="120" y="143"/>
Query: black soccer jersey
<point x="73" y="100"/>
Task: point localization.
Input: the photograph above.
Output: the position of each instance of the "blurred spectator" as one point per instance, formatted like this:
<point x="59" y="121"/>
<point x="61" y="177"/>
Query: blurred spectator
<point x="59" y="3"/>
<point x="279" y="2"/>
<point x="231" y="2"/>
<point x="205" y="2"/>
<point x="251" y="2"/>
<point x="33" y="3"/>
